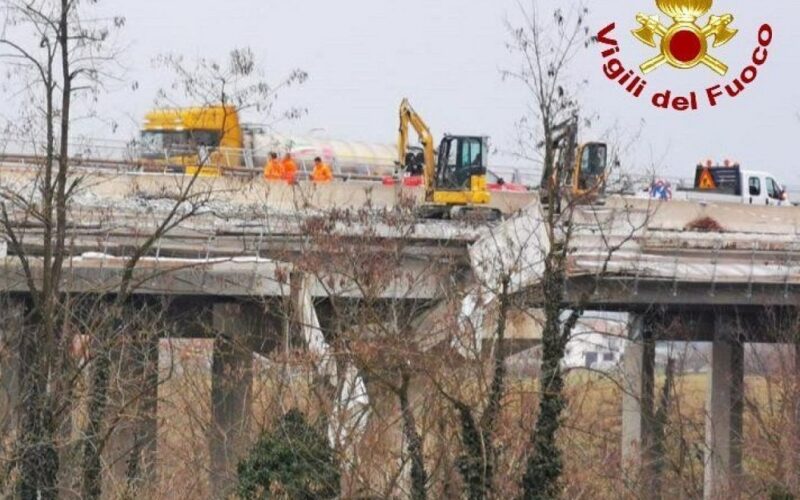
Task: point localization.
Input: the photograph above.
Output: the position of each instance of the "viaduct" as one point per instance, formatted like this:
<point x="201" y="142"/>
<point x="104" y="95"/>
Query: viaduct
<point x="222" y="267"/>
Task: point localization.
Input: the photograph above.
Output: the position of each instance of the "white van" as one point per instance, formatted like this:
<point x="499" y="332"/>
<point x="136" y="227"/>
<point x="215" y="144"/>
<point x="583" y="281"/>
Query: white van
<point x="731" y="184"/>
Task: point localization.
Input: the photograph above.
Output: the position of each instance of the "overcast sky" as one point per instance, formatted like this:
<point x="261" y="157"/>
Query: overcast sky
<point x="363" y="56"/>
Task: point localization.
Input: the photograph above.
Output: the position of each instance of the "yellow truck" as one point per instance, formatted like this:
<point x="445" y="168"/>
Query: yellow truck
<point x="207" y="140"/>
<point x="198" y="140"/>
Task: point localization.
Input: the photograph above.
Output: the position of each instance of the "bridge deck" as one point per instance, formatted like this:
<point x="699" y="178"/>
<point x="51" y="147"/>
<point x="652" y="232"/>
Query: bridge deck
<point x="642" y="252"/>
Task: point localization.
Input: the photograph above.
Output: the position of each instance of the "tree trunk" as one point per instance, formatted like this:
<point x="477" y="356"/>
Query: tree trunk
<point x="98" y="401"/>
<point x="419" y="476"/>
<point x="477" y="460"/>
<point x="38" y="456"/>
<point x="659" y="432"/>
<point x="476" y="471"/>
<point x="542" y="475"/>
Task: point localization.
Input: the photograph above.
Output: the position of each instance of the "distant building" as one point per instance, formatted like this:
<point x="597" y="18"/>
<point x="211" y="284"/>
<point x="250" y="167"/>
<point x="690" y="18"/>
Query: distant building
<point x="597" y="344"/>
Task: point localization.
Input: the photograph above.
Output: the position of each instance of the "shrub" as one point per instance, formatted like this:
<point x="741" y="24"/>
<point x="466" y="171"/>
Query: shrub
<point x="293" y="461"/>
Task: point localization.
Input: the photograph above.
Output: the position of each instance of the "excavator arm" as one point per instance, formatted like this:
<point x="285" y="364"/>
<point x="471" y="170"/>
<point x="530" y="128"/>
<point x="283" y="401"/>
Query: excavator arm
<point x="564" y="144"/>
<point x="410" y="117"/>
<point x="580" y="169"/>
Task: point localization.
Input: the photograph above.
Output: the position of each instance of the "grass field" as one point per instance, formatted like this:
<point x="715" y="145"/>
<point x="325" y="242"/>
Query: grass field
<point x="590" y="436"/>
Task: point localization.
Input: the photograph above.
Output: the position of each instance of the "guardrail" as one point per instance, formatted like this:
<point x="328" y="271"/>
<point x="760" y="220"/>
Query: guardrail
<point x="132" y="157"/>
<point x="136" y="157"/>
<point x="162" y="167"/>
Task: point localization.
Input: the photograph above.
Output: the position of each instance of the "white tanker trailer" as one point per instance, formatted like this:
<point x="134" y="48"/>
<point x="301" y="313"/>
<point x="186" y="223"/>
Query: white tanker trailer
<point x="345" y="157"/>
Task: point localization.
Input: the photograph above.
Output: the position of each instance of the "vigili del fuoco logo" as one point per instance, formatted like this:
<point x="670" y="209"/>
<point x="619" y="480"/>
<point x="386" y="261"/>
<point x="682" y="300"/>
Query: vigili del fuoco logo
<point x="683" y="44"/>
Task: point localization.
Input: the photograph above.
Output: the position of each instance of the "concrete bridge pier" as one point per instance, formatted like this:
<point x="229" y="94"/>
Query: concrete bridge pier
<point x="637" y="403"/>
<point x="133" y="393"/>
<point x="239" y="329"/>
<point x="724" y="409"/>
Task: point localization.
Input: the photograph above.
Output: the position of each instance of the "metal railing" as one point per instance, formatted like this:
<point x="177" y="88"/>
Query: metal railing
<point x="134" y="157"/>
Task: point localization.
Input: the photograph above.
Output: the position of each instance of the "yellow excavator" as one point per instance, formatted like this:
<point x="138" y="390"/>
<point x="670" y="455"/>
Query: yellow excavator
<point x="455" y="182"/>
<point x="580" y="170"/>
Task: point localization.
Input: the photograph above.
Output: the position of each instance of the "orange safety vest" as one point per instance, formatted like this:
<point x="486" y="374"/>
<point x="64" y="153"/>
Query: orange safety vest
<point x="322" y="173"/>
<point x="273" y="170"/>
<point x="289" y="169"/>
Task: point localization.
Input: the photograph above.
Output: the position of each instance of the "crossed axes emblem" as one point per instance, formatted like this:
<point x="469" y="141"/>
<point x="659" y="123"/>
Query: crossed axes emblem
<point x="684" y="45"/>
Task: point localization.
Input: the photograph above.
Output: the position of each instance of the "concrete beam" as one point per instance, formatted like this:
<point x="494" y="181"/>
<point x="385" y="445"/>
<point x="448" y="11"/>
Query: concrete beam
<point x="239" y="277"/>
<point x="623" y="294"/>
<point x="723" y="460"/>
<point x="637" y="403"/>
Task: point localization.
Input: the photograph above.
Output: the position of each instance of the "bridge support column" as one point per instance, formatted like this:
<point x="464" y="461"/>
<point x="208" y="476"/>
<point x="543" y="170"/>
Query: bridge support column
<point x="723" y="460"/>
<point x="637" y="402"/>
<point x="235" y="328"/>
<point x="133" y="396"/>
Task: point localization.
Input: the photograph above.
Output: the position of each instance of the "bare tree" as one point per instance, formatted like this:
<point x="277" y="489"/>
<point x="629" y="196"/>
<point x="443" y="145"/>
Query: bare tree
<point x="63" y="54"/>
<point x="545" y="51"/>
<point x="479" y="410"/>
<point x="546" y="46"/>
<point x="239" y="82"/>
<point x="375" y="333"/>
<point x="60" y="55"/>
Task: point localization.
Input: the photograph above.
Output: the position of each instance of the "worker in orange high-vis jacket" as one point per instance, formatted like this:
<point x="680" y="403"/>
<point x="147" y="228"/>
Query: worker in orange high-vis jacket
<point x="289" y="168"/>
<point x="273" y="171"/>
<point x="322" y="172"/>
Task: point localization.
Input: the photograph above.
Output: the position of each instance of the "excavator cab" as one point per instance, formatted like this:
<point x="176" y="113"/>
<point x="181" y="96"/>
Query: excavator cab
<point x="461" y="171"/>
<point x="590" y="170"/>
<point x="580" y="170"/>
